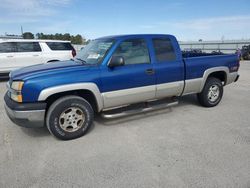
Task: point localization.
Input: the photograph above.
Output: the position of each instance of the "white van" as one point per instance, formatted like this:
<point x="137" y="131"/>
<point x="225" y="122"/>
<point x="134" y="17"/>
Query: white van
<point x="17" y="53"/>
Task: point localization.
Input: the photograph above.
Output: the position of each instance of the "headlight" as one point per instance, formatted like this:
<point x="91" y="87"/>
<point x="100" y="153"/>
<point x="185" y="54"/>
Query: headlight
<point x="16" y="94"/>
<point x="17" y="85"/>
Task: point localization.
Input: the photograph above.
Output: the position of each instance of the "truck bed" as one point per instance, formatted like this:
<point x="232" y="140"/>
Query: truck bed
<point x="197" y="65"/>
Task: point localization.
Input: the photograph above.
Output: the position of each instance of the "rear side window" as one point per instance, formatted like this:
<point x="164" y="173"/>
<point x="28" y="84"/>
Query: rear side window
<point x="164" y="50"/>
<point x="7" y="47"/>
<point x="133" y="51"/>
<point x="28" y="47"/>
<point x="59" y="45"/>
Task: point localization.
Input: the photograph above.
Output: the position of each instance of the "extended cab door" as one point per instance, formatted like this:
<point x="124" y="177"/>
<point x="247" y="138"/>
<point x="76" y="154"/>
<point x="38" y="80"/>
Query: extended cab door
<point x="169" y="67"/>
<point x="133" y="82"/>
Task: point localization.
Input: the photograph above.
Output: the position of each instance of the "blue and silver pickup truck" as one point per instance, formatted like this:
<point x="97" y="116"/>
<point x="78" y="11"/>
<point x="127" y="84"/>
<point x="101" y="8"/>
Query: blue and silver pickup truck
<point x="114" y="76"/>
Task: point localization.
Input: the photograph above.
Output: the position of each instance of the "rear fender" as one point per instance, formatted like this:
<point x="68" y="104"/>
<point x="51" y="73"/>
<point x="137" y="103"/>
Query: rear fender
<point x="208" y="72"/>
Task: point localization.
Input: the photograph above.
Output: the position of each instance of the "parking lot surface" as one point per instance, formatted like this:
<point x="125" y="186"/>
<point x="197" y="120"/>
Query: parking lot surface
<point x="183" y="146"/>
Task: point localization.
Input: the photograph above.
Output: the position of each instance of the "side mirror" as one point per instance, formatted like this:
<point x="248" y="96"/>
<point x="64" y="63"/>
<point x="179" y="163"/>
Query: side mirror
<point x="116" y="61"/>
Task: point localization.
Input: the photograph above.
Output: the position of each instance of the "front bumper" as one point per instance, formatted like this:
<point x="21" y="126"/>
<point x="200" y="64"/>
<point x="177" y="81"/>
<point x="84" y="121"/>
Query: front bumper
<point x="25" y="114"/>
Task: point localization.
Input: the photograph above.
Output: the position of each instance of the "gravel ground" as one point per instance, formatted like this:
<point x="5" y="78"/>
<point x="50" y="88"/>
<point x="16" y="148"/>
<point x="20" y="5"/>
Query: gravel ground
<point x="183" y="146"/>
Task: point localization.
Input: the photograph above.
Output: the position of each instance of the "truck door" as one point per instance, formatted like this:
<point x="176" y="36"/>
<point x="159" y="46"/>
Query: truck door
<point x="133" y="82"/>
<point x="169" y="67"/>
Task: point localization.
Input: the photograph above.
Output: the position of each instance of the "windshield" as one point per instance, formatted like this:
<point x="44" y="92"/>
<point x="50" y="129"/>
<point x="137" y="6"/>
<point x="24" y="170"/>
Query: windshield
<point x="94" y="52"/>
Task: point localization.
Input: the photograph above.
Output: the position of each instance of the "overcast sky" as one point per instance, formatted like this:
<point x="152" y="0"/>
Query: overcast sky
<point x="188" y="20"/>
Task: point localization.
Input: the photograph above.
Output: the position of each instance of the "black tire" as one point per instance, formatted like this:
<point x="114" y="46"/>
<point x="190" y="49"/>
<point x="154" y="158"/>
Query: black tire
<point x="205" y="99"/>
<point x="59" y="108"/>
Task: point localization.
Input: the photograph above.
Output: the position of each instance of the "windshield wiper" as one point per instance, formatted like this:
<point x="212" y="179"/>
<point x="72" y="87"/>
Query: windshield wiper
<point x="81" y="60"/>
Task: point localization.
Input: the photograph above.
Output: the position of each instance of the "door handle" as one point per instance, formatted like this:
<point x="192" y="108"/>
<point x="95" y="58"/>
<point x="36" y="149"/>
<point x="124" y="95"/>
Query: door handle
<point x="150" y="71"/>
<point x="9" y="55"/>
<point x="35" y="55"/>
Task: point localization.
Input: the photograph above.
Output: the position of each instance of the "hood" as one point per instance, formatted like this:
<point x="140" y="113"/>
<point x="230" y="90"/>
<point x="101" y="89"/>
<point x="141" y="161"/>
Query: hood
<point x="53" y="67"/>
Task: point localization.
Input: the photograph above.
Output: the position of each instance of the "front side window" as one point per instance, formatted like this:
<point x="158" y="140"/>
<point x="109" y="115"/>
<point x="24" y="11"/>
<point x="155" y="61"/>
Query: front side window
<point x="134" y="51"/>
<point x="28" y="47"/>
<point x="164" y="50"/>
<point x="6" y="47"/>
<point x="95" y="51"/>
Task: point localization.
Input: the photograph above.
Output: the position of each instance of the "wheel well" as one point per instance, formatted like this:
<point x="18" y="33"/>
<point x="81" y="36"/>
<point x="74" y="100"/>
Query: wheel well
<point x="86" y="94"/>
<point x="221" y="75"/>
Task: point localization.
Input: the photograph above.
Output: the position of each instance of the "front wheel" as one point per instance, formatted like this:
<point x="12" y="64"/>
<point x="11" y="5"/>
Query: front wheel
<point x="212" y="93"/>
<point x="69" y="117"/>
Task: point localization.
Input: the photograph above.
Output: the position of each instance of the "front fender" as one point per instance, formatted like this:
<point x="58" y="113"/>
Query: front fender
<point x="45" y="93"/>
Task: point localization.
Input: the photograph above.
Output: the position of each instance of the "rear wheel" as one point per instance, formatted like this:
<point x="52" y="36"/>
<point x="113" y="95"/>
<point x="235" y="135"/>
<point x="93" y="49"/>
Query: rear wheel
<point x="69" y="117"/>
<point x="212" y="93"/>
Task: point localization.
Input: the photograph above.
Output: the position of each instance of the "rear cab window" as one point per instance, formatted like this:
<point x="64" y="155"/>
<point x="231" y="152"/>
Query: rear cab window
<point x="58" y="46"/>
<point x="164" y="50"/>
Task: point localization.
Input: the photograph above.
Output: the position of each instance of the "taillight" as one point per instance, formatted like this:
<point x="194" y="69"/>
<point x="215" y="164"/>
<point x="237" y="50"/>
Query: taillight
<point x="235" y="67"/>
<point x="73" y="52"/>
<point x="238" y="62"/>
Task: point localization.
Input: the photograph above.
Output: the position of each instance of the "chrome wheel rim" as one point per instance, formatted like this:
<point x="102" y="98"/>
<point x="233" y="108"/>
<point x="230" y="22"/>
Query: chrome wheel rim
<point x="71" y="119"/>
<point x="213" y="93"/>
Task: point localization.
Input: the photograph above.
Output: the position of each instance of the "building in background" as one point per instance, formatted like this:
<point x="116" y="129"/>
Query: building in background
<point x="225" y="46"/>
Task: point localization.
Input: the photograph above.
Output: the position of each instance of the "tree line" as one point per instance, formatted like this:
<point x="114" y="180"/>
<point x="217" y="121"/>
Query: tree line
<point x="75" y="39"/>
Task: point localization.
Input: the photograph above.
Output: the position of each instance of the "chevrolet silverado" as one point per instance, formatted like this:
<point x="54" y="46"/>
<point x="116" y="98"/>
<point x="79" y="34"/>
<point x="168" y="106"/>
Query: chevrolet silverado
<point x="115" y="76"/>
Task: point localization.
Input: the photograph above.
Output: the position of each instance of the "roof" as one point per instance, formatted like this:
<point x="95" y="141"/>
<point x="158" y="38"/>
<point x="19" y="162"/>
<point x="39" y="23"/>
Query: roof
<point x="134" y="35"/>
<point x="30" y="40"/>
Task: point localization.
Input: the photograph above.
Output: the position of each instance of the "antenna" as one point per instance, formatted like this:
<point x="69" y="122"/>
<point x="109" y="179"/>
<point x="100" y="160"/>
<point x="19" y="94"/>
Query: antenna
<point x="22" y="30"/>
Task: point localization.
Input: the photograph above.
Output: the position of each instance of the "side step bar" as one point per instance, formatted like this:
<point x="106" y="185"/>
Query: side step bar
<point x="138" y="110"/>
